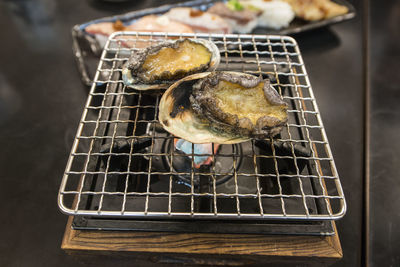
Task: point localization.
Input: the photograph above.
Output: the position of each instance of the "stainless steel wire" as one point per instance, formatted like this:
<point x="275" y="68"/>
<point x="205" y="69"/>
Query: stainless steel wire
<point x="115" y="114"/>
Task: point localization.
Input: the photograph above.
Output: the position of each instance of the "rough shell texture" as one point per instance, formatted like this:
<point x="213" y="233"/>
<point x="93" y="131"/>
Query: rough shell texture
<point x="178" y="118"/>
<point x="184" y="111"/>
<point x="136" y="77"/>
<point x="241" y="117"/>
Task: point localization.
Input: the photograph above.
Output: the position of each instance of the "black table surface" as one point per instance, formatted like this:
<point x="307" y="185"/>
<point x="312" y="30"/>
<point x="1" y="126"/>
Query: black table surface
<point x="42" y="98"/>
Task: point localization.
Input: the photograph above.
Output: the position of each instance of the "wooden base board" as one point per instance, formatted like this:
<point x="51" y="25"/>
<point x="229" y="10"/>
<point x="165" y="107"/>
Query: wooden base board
<point x="159" y="248"/>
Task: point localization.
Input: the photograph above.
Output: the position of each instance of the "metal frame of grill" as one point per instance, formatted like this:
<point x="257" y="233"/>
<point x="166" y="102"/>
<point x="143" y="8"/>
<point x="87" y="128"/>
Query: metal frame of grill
<point x="107" y="135"/>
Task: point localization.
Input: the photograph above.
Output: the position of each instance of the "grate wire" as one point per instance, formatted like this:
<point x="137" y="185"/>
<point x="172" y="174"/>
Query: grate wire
<point x="295" y="168"/>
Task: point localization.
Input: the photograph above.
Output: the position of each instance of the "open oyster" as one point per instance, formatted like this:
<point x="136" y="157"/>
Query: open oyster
<point x="158" y="66"/>
<point x="222" y="107"/>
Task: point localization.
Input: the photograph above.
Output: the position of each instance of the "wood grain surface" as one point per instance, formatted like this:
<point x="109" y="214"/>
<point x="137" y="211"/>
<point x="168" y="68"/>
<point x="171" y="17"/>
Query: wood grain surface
<point x="200" y="248"/>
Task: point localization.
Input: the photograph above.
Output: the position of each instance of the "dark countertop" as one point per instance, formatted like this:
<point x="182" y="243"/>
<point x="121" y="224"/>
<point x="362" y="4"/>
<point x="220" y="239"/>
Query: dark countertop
<point x="384" y="237"/>
<point x="42" y="98"/>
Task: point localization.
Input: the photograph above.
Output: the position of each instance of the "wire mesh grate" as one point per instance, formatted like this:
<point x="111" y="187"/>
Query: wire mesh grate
<point x="123" y="163"/>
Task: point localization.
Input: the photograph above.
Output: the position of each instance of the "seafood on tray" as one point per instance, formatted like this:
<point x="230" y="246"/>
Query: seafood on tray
<point x="150" y="23"/>
<point x="241" y="20"/>
<point x="222" y="108"/>
<point x="273" y="14"/>
<point x="158" y="66"/>
<point x="312" y="10"/>
<point x="154" y="23"/>
<point x="233" y="16"/>
<point x="106" y="28"/>
<point x="199" y="21"/>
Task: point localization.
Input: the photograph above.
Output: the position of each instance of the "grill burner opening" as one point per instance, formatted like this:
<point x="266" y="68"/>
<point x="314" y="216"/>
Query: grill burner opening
<point x="183" y="164"/>
<point x="202" y="154"/>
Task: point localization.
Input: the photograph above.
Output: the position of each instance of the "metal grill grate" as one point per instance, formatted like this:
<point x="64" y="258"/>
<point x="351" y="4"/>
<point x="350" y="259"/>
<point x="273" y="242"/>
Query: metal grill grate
<point x="123" y="163"/>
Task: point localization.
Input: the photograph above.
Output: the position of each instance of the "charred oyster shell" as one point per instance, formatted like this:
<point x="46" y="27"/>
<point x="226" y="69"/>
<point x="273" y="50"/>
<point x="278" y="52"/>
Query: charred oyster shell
<point x="159" y="66"/>
<point x="223" y="108"/>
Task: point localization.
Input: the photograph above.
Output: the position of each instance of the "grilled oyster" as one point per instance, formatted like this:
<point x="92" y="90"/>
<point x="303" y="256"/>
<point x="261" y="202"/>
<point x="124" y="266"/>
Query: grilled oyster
<point x="222" y="107"/>
<point x="158" y="66"/>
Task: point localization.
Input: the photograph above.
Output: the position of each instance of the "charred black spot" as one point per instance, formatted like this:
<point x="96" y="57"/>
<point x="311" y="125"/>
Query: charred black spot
<point x="165" y="122"/>
<point x="181" y="95"/>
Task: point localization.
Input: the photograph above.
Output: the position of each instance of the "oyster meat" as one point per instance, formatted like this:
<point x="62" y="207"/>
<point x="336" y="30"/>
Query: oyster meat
<point x="159" y="66"/>
<point x="222" y="108"/>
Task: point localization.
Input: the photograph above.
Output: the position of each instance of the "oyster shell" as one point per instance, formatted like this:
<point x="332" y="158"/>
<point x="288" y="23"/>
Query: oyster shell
<point x="223" y="108"/>
<point x="159" y="66"/>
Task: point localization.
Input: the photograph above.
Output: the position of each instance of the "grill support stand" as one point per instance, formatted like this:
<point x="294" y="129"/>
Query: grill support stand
<point x="159" y="248"/>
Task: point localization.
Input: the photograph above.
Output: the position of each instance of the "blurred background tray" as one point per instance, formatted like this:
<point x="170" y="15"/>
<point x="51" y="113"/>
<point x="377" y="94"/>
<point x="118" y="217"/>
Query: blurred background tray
<point x="87" y="48"/>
